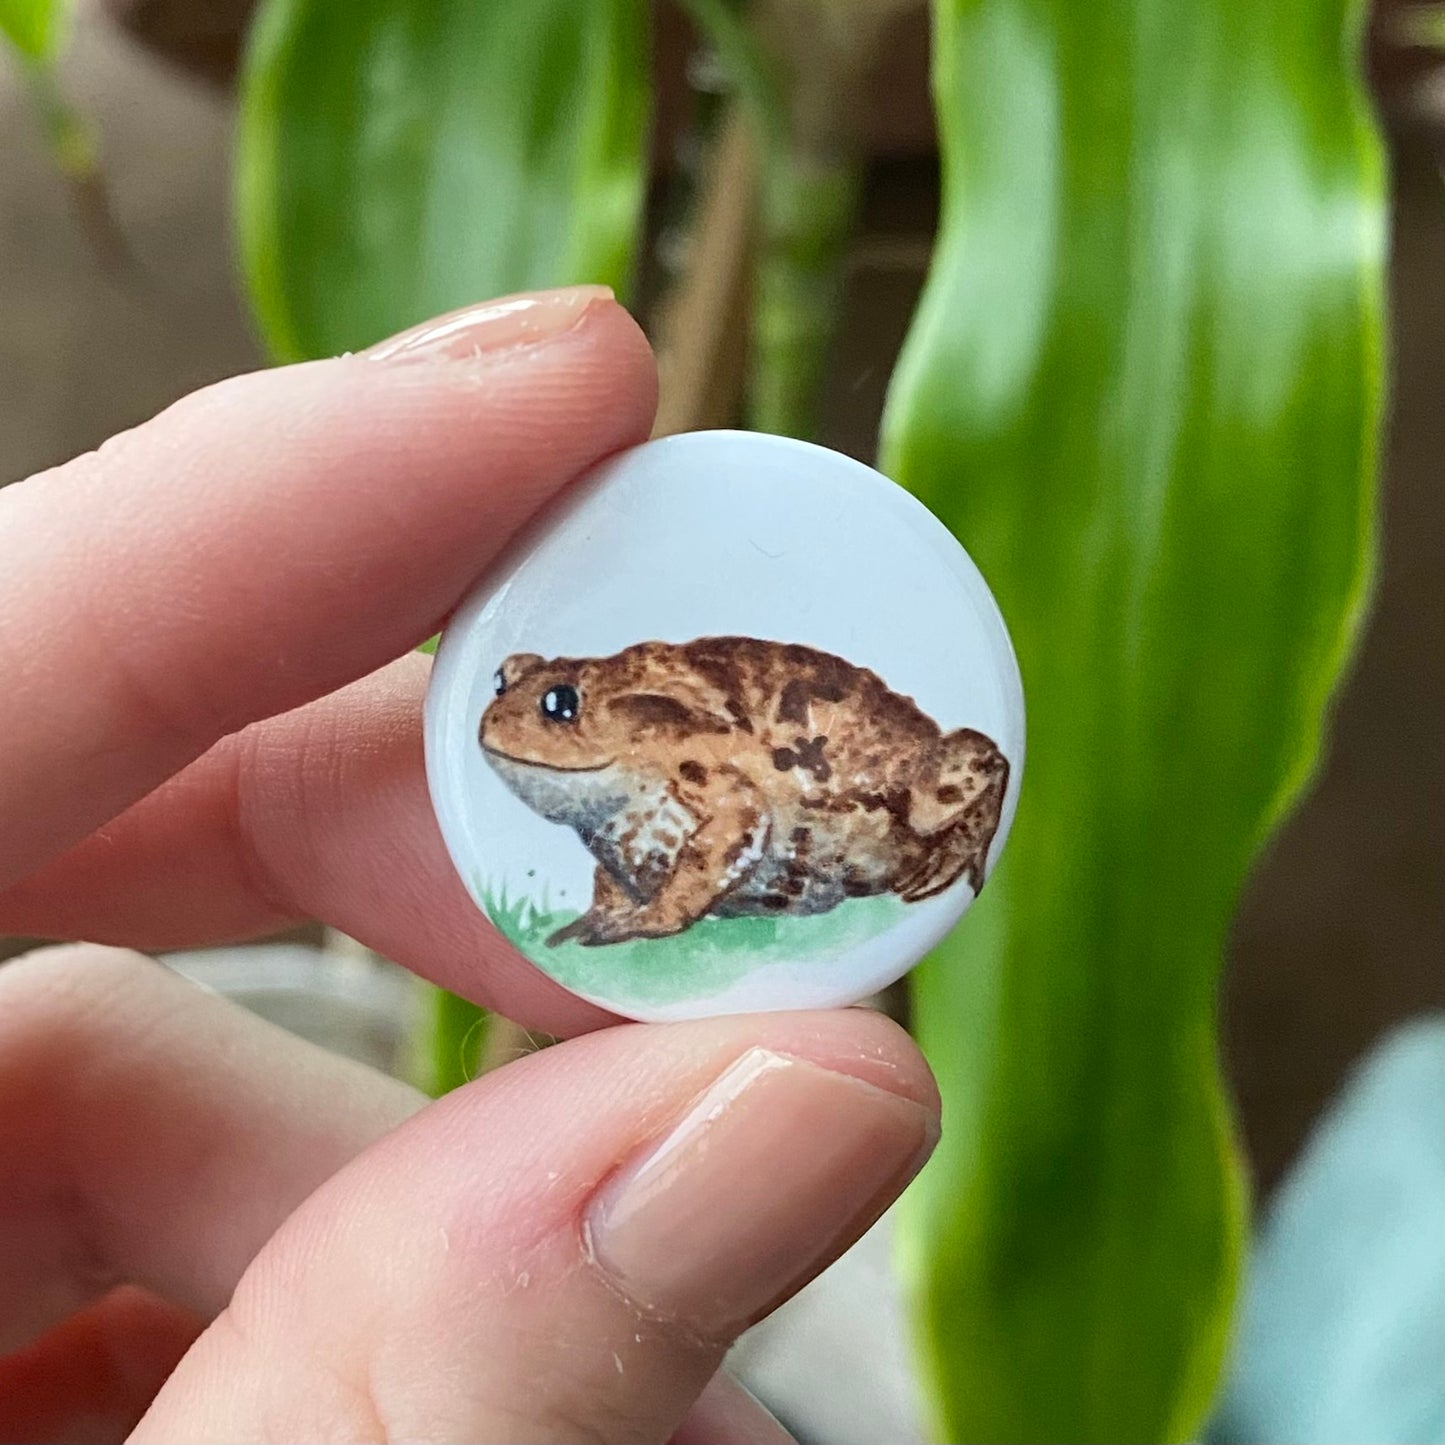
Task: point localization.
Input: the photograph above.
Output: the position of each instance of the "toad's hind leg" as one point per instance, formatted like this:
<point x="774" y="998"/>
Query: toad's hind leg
<point x="959" y="852"/>
<point x="967" y="767"/>
<point x="957" y="815"/>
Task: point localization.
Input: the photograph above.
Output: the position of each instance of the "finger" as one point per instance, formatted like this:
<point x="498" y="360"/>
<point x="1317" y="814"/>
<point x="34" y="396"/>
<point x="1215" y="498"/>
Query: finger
<point x="563" y="1249"/>
<point x="152" y="1133"/>
<point x="274" y="537"/>
<point x="727" y="1414"/>
<point x="320" y="813"/>
<point x="93" y="1377"/>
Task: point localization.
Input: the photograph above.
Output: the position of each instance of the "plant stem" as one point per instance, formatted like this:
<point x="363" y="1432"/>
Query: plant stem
<point x="699" y="329"/>
<point x="808" y="210"/>
<point x="456" y="1032"/>
<point x="748" y="64"/>
<point x="71" y="141"/>
<point x="798" y="67"/>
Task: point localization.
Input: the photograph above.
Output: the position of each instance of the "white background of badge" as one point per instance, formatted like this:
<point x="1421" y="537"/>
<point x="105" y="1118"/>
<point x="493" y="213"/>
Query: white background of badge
<point x="720" y="533"/>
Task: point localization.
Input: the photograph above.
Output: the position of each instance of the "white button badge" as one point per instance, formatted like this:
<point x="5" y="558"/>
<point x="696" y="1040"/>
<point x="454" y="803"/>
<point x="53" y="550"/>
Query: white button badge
<point x="736" y="726"/>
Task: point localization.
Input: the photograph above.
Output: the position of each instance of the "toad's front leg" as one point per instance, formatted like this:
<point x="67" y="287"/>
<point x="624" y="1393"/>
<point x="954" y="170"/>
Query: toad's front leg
<point x="610" y="903"/>
<point x="714" y="858"/>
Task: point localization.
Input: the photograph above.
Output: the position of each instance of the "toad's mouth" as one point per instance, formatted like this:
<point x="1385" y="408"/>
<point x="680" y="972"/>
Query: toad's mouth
<point x="512" y="758"/>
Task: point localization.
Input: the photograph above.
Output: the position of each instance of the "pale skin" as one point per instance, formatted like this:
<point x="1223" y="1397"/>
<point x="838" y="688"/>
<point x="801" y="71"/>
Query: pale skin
<point x="209" y="729"/>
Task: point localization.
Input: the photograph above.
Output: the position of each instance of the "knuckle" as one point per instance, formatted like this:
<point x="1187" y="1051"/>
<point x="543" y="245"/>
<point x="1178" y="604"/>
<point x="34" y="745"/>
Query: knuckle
<point x="66" y="987"/>
<point x="65" y="971"/>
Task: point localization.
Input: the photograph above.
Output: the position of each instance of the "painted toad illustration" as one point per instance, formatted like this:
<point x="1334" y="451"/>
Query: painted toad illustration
<point x="731" y="776"/>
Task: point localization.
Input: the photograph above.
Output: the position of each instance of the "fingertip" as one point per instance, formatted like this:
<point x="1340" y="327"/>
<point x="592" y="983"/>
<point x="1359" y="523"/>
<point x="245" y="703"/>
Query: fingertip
<point x="726" y="1413"/>
<point x="861" y="1041"/>
<point x="891" y="1045"/>
<point x="592" y="380"/>
<point x="620" y="335"/>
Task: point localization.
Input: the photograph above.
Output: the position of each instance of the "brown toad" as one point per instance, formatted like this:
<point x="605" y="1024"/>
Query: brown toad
<point x="734" y="776"/>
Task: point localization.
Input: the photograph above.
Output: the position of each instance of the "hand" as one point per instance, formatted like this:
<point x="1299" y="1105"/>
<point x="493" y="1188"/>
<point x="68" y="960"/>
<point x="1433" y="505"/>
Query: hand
<point x="207" y="1222"/>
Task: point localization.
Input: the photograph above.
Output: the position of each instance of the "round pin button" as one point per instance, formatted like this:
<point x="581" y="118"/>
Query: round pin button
<point x="735" y="726"/>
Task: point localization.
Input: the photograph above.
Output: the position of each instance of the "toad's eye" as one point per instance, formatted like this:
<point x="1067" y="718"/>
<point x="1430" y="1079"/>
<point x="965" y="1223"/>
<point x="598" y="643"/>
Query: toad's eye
<point x="561" y="703"/>
<point x="499" y="682"/>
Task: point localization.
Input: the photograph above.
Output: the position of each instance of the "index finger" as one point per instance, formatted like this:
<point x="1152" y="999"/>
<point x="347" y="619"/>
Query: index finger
<point x="278" y="535"/>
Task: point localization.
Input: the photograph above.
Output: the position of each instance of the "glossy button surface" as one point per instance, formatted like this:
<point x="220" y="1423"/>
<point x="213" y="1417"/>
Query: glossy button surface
<point x="737" y="725"/>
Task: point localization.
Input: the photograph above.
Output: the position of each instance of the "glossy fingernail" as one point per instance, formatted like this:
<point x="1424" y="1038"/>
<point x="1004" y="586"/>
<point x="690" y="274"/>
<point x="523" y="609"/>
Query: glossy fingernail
<point x="773" y="1170"/>
<point x="500" y="325"/>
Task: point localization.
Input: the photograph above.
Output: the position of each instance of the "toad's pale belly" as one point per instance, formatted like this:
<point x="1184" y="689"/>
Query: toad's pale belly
<point x="810" y="854"/>
<point x="806" y="860"/>
<point x="812" y="859"/>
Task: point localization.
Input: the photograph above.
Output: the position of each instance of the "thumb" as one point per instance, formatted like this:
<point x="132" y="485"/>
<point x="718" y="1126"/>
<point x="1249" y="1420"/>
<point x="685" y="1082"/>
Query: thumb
<point x="563" y="1250"/>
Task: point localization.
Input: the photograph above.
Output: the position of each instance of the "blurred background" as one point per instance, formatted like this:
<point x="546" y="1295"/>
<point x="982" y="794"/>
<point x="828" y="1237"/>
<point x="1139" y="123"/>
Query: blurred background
<point x="104" y="321"/>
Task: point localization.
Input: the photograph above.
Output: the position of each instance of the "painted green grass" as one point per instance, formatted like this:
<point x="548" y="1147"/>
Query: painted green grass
<point x="711" y="955"/>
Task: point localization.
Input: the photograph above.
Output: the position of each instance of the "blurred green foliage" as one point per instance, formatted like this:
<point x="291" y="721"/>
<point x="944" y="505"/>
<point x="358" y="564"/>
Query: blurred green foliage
<point x="400" y="158"/>
<point x="36" y="28"/>
<point x="1142" y="387"/>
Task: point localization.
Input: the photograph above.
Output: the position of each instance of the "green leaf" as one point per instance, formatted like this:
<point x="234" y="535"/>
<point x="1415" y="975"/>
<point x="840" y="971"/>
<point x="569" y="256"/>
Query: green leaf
<point x="1142" y="387"/>
<point x="36" y="28"/>
<point x="399" y="158"/>
<point x="455" y="1035"/>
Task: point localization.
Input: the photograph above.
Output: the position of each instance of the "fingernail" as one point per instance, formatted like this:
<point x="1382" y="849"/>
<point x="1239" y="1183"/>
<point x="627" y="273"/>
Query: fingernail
<point x="492" y="326"/>
<point x="773" y="1170"/>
